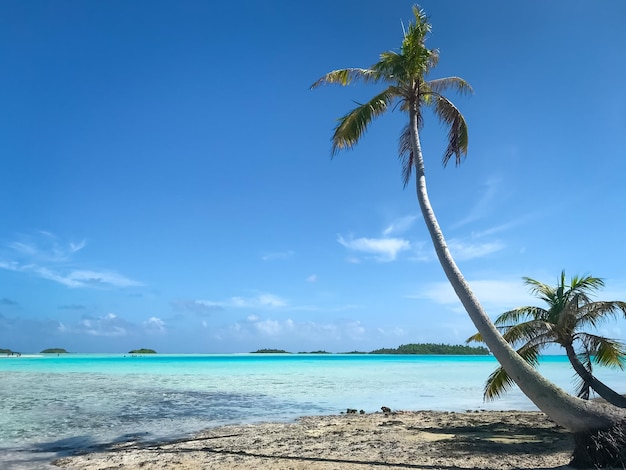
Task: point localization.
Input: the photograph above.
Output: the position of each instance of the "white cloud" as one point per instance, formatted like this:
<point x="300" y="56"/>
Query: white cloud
<point x="46" y="257"/>
<point x="87" y="277"/>
<point x="400" y="225"/>
<point x="261" y="300"/>
<point x="382" y="249"/>
<point x="106" y="325"/>
<point x="289" y="330"/>
<point x="463" y="251"/>
<point x="154" y="324"/>
<point x="312" y="278"/>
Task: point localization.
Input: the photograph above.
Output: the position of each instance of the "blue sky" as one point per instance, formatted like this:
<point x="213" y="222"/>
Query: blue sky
<point x="167" y="179"/>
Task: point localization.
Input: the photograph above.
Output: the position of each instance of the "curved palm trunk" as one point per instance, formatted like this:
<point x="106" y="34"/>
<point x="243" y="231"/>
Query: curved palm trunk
<point x="574" y="414"/>
<point x="599" y="387"/>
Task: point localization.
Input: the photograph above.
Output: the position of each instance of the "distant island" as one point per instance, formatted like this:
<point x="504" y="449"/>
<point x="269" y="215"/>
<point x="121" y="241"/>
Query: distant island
<point x="142" y="351"/>
<point x="8" y="352"/>
<point x="420" y="348"/>
<point x="54" y="351"/>
<point x="270" y="351"/>
<point x="431" y="348"/>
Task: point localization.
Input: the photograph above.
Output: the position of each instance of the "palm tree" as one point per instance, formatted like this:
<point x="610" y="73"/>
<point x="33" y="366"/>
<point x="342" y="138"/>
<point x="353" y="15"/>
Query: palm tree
<point x="405" y="74"/>
<point x="569" y="310"/>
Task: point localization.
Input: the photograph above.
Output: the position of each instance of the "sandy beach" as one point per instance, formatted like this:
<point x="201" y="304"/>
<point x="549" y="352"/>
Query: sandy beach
<point x="417" y="439"/>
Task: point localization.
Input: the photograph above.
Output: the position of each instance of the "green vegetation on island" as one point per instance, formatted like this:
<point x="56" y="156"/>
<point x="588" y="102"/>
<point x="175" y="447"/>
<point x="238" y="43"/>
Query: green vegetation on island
<point x="431" y="348"/>
<point x="421" y="348"/>
<point x="7" y="351"/>
<point x="270" y="351"/>
<point x="142" y="351"/>
<point x="54" y="351"/>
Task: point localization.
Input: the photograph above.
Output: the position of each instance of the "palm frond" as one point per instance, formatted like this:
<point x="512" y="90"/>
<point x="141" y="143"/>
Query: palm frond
<point x="520" y="313"/>
<point x="393" y="67"/>
<point x="354" y="124"/>
<point x="595" y="313"/>
<point x="604" y="351"/>
<point x="440" y="85"/>
<point x="498" y="383"/>
<point x="534" y="332"/>
<point x="458" y="139"/>
<point x="345" y="77"/>
<point x="582" y="387"/>
<point x="539" y="289"/>
<point x="475" y="338"/>
<point x="405" y="154"/>
<point x="585" y="284"/>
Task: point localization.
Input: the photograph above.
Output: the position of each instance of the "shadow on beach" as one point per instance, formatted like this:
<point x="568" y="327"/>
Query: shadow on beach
<point x="418" y="440"/>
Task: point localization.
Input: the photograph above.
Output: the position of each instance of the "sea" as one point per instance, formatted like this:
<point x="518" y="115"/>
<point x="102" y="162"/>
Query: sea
<point x="52" y="405"/>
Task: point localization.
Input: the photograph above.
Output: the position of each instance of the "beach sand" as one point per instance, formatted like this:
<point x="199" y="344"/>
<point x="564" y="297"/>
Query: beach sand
<point x="416" y="440"/>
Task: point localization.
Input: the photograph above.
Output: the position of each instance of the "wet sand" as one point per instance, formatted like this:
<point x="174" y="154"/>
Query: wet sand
<point x="414" y="440"/>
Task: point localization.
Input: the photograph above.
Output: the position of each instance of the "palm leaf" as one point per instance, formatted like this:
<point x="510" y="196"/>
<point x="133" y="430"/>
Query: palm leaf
<point x="499" y="381"/>
<point x="405" y="154"/>
<point x="440" y="85"/>
<point x="475" y="338"/>
<point x="497" y="384"/>
<point x="458" y="139"/>
<point x="520" y="313"/>
<point x="354" y="124"/>
<point x="605" y="351"/>
<point x="345" y="77"/>
<point x="595" y="313"/>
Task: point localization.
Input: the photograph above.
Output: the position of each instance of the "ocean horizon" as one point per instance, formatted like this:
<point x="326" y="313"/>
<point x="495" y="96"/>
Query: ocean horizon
<point x="53" y="405"/>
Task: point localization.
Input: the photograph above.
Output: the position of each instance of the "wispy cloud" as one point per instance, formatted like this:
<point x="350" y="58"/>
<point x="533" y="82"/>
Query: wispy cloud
<point x="199" y="307"/>
<point x="462" y="250"/>
<point x="400" y="225"/>
<point x="312" y="278"/>
<point x="379" y="249"/>
<point x="45" y="256"/>
<point x="206" y="307"/>
<point x="261" y="300"/>
<point x="289" y="330"/>
<point x="496" y="295"/>
<point x="484" y="205"/>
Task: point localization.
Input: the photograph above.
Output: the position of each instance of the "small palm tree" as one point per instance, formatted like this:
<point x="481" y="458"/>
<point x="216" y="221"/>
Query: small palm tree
<point x="569" y="311"/>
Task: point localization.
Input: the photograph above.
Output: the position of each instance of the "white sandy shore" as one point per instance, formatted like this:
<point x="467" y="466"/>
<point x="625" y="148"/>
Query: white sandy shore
<point x="417" y="440"/>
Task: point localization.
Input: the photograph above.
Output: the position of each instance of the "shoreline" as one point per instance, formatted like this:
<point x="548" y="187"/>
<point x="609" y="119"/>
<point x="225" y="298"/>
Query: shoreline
<point x="499" y="440"/>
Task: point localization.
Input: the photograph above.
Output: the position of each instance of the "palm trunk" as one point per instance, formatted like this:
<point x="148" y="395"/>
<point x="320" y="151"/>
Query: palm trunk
<point x="599" y="387"/>
<point x="574" y="414"/>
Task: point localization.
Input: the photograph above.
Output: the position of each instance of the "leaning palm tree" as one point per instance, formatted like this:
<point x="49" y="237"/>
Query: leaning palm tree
<point x="408" y="87"/>
<point x="570" y="311"/>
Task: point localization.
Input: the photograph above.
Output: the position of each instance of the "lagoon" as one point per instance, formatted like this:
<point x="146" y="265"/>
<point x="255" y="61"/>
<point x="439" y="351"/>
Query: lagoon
<point x="51" y="405"/>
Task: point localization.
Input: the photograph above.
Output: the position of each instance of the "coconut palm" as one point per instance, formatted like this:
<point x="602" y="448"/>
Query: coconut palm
<point x="569" y="312"/>
<point x="405" y="75"/>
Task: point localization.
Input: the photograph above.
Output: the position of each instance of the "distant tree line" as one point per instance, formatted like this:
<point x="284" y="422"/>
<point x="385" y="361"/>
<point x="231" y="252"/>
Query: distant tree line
<point x="431" y="348"/>
<point x="421" y="348"/>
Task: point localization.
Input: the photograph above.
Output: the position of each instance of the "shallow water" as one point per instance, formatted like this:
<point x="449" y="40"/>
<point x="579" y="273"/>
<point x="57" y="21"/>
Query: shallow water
<point x="52" y="405"/>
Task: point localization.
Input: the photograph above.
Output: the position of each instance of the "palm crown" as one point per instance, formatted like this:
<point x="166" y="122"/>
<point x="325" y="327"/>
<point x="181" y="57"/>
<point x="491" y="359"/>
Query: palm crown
<point x="405" y="74"/>
<point x="569" y="311"/>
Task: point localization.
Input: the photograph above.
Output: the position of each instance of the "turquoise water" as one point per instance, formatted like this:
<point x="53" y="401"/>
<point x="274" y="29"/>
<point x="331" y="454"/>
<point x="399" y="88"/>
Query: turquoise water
<point x="51" y="405"/>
